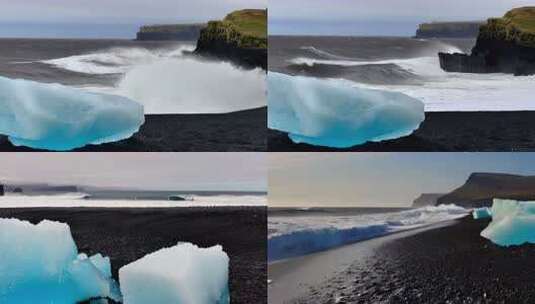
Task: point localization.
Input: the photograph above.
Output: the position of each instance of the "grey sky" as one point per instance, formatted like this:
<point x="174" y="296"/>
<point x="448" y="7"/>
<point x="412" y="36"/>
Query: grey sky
<point x="307" y="17"/>
<point x="119" y="11"/>
<point x="106" y="18"/>
<point x="146" y="171"/>
<point x="379" y="179"/>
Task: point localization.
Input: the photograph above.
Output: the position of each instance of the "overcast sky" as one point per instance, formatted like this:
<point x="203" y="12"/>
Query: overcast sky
<point x="378" y="179"/>
<point x="144" y="171"/>
<point x="375" y="17"/>
<point x="14" y="15"/>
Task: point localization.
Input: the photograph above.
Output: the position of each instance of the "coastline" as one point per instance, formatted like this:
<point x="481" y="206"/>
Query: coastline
<point x="127" y="234"/>
<point x="237" y="131"/>
<point x="305" y="277"/>
<point x="448" y="264"/>
<point x="445" y="132"/>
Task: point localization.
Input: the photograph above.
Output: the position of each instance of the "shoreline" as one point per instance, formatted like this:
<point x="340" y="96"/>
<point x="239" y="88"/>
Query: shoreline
<point x="445" y="132"/>
<point x="448" y="264"/>
<point x="236" y="131"/>
<point x="296" y="277"/>
<point x="127" y="234"/>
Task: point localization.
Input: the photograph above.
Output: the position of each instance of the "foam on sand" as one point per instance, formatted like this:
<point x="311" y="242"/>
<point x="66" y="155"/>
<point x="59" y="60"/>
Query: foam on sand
<point x="513" y="223"/>
<point x="40" y="264"/>
<point x="184" y="274"/>
<point x="336" y="114"/>
<point x="56" y="117"/>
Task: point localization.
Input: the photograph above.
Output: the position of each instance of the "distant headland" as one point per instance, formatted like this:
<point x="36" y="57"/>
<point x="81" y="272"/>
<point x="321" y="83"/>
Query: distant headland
<point x="469" y="29"/>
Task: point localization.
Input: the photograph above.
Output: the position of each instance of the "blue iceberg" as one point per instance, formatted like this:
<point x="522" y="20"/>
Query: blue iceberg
<point x="513" y="223"/>
<point x="334" y="113"/>
<point x="56" y="117"/>
<point x="480" y="213"/>
<point x="184" y="273"/>
<point x="40" y="264"/>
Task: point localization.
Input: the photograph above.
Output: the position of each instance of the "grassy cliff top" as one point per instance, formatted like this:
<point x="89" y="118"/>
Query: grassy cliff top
<point x="244" y="28"/>
<point x="518" y="25"/>
<point x="251" y="22"/>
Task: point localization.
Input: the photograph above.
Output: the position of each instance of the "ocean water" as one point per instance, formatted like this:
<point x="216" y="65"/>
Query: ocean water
<point x="162" y="76"/>
<point x="406" y="65"/>
<point x="295" y="232"/>
<point x="134" y="199"/>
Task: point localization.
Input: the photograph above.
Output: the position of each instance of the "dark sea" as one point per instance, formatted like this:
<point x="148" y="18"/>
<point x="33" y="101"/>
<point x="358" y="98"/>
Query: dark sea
<point x="78" y="62"/>
<point x="402" y="64"/>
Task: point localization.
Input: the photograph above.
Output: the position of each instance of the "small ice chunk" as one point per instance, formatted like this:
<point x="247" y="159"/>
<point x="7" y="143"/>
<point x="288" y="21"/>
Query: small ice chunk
<point x="56" y="117"/>
<point x="335" y="113"/>
<point x="513" y="223"/>
<point x="183" y="274"/>
<point x="40" y="264"/>
<point x="480" y="213"/>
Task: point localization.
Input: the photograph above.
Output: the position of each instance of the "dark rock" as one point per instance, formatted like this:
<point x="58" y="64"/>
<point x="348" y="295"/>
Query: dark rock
<point x="504" y="45"/>
<point x="2" y="190"/>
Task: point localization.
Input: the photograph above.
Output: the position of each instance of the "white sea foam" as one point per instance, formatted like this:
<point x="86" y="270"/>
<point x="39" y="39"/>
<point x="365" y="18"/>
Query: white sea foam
<point x="116" y="60"/>
<point x="188" y="85"/>
<point x="291" y="236"/>
<point x="166" y="82"/>
<point x="78" y="200"/>
<point x="444" y="91"/>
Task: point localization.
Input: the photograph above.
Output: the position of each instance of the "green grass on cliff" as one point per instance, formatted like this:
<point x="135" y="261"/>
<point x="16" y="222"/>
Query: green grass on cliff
<point x="518" y="26"/>
<point x="250" y="22"/>
<point x="244" y="28"/>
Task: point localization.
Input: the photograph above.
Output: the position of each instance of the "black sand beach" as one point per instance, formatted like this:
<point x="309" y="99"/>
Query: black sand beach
<point x="445" y="132"/>
<point x="448" y="264"/>
<point x="236" y="132"/>
<point x="127" y="234"/>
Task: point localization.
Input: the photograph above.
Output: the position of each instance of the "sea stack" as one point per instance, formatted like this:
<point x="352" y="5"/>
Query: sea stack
<point x="2" y="190"/>
<point x="504" y="45"/>
<point x="240" y="37"/>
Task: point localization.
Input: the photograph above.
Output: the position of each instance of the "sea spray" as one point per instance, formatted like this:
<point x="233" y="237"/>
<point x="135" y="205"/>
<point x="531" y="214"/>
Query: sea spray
<point x="189" y="85"/>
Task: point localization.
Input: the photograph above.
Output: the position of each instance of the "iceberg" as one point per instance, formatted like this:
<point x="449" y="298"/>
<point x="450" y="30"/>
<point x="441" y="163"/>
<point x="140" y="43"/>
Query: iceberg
<point x="335" y="113"/>
<point x="513" y="223"/>
<point x="183" y="274"/>
<point x="480" y="213"/>
<point x="41" y="264"/>
<point x="56" y="117"/>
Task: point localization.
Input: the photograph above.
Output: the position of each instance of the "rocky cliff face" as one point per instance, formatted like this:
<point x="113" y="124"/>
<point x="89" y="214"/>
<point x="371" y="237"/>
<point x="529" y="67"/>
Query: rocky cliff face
<point x="481" y="188"/>
<point x="426" y="199"/>
<point x="241" y="38"/>
<point x="449" y="29"/>
<point x="504" y="45"/>
<point x="178" y="32"/>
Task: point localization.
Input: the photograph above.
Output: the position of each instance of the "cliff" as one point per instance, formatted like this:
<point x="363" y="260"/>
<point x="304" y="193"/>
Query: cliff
<point x="504" y="45"/>
<point x="449" y="29"/>
<point x="240" y="37"/>
<point x="426" y="199"/>
<point x="481" y="188"/>
<point x="179" y="32"/>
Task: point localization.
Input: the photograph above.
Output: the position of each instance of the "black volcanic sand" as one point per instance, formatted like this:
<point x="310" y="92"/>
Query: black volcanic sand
<point x="444" y="131"/>
<point x="127" y="234"/>
<point x="238" y="131"/>
<point x="451" y="264"/>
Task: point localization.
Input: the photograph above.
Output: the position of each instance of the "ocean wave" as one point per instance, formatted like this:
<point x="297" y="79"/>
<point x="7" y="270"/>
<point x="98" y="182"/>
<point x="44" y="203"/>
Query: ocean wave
<point x="300" y="235"/>
<point x="115" y="60"/>
<point x="439" y="90"/>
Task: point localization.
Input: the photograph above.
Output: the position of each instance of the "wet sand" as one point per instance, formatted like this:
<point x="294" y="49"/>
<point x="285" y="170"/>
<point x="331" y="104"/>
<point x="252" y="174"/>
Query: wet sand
<point x="447" y="264"/>
<point x="127" y="234"/>
<point x="238" y="131"/>
<point x="445" y="131"/>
